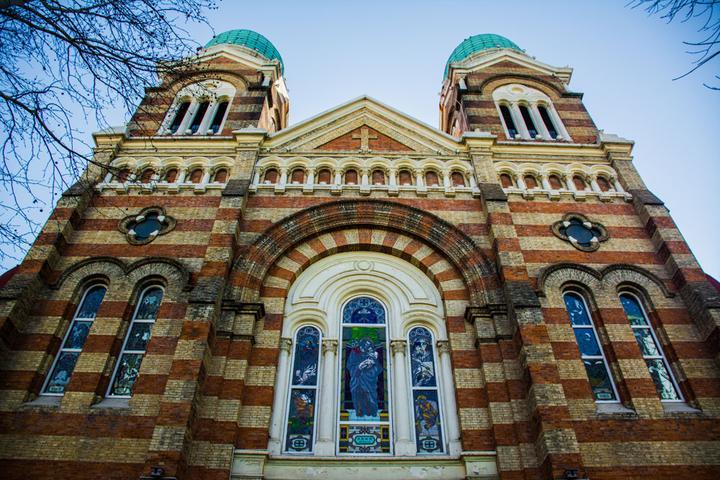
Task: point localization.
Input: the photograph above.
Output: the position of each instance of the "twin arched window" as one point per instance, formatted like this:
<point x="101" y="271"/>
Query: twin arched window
<point x="527" y="113"/>
<point x="364" y="423"/>
<point x="199" y="109"/>
<point x="593" y="356"/>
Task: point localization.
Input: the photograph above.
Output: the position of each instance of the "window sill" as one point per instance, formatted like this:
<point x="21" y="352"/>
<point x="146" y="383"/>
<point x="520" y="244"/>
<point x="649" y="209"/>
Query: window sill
<point x="44" y="402"/>
<point x="615" y="411"/>
<point x="680" y="409"/>
<point x="113" y="404"/>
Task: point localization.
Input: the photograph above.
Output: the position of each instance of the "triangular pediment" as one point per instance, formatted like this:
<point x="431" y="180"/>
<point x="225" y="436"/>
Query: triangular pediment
<point x="363" y="125"/>
<point x="491" y="58"/>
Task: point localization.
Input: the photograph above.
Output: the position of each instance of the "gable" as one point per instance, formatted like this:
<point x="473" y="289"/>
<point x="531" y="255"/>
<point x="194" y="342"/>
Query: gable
<point x="362" y="126"/>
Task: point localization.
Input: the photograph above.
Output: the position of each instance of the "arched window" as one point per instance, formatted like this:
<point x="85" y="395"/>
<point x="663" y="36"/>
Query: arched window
<point x="378" y="177"/>
<point x="171" y="175"/>
<point x="179" y="116"/>
<point x="300" y="431"/>
<point x="199" y="116"/>
<point x="431" y="179"/>
<point x="603" y="184"/>
<point x="196" y="175"/>
<point x="530" y="181"/>
<point x="297" y="176"/>
<point x="425" y="392"/>
<point x="509" y="122"/>
<point x="458" y="179"/>
<point x="64" y="364"/>
<point x="555" y="182"/>
<point x="147" y="175"/>
<point x="665" y="383"/>
<point x="506" y="180"/>
<point x="529" y="123"/>
<point x="220" y="175"/>
<point x="127" y="368"/>
<point x="123" y="175"/>
<point x="365" y="423"/>
<point x="405" y="177"/>
<point x="591" y="351"/>
<point x="218" y="118"/>
<point x="351" y="177"/>
<point x="324" y="176"/>
<point x="271" y="176"/>
<point x="579" y="183"/>
<point x="545" y="116"/>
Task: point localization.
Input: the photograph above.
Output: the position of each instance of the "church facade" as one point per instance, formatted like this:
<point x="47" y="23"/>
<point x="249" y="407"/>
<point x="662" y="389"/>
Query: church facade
<point x="360" y="294"/>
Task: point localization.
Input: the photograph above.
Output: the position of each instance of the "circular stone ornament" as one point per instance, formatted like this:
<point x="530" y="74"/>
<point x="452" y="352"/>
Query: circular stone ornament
<point x="582" y="234"/>
<point x="146" y="226"/>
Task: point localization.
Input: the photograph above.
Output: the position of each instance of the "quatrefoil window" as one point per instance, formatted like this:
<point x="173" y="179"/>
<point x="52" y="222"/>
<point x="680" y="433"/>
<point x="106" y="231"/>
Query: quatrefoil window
<point x="580" y="232"/>
<point x="147" y="225"/>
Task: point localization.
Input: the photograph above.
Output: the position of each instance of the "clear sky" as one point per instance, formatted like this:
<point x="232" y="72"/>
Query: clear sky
<point x="623" y="62"/>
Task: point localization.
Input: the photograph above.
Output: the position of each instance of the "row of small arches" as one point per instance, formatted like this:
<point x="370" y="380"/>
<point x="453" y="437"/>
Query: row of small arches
<point x="353" y="176"/>
<point x="171" y="174"/>
<point x="600" y="183"/>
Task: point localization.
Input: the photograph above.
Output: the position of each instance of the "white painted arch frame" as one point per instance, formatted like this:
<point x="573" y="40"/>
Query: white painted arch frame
<point x="411" y="299"/>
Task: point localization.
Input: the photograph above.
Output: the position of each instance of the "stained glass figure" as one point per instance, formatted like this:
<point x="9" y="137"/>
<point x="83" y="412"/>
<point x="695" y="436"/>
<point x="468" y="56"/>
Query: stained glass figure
<point x="135" y="345"/>
<point x="652" y="352"/>
<point x="426" y="403"/>
<point x="364" y="395"/>
<point x="74" y="341"/>
<point x="590" y="351"/>
<point x="303" y="391"/>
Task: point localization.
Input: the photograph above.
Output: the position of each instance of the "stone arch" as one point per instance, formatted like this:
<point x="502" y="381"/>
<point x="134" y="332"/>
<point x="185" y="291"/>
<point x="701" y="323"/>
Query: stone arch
<point x="253" y="263"/>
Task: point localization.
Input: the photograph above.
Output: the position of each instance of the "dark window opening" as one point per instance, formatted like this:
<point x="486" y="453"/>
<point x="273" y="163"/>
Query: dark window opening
<point x="179" y="116"/>
<point x="509" y="123"/>
<point x="198" y="118"/>
<point x="545" y="115"/>
<point x="218" y="118"/>
<point x="532" y="130"/>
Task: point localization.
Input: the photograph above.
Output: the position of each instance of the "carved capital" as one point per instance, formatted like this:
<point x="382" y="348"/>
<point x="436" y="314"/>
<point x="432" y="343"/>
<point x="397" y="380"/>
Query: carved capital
<point x="329" y="346"/>
<point x="285" y="344"/>
<point x="443" y="346"/>
<point x="398" y="346"/>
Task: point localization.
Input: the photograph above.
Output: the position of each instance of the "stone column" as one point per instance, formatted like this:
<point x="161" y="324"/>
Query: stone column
<point x="521" y="182"/>
<point x="392" y="182"/>
<point x="540" y="124"/>
<point x="281" y="390"/>
<point x="309" y="181"/>
<point x="594" y="185"/>
<point x="520" y="121"/>
<point x="451" y="420"/>
<point x="569" y="183"/>
<point x="404" y="445"/>
<point x="364" y="182"/>
<point x="325" y="414"/>
<point x="545" y="180"/>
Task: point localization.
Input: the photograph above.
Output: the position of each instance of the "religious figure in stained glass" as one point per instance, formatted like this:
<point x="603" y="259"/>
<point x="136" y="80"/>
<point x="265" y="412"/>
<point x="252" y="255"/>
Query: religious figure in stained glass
<point x="426" y="405"/>
<point x="364" y="369"/>
<point x="303" y="392"/>
<point x="422" y="364"/>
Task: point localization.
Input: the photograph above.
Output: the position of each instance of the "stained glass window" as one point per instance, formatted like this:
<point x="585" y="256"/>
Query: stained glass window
<point x="364" y="426"/>
<point x="591" y="352"/>
<point x="135" y="345"/>
<point x="425" y="396"/>
<point x="303" y="391"/>
<point x="651" y="349"/>
<point x="74" y="341"/>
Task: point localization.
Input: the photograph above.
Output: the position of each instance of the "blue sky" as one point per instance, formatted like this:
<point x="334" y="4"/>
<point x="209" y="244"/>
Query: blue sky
<point x="623" y="62"/>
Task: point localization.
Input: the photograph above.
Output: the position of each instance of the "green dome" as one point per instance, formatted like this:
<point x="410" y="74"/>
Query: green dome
<point x="478" y="43"/>
<point x="248" y="39"/>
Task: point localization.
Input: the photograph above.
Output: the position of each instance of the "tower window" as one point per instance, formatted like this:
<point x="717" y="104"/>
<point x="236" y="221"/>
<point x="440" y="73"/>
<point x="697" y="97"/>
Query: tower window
<point x="198" y="117"/>
<point x="134" y="348"/>
<point x="529" y="124"/>
<point x="378" y="177"/>
<point x="179" y="116"/>
<point x="506" y="180"/>
<point x="545" y="115"/>
<point x="591" y="351"/>
<point x="324" y="176"/>
<point x="351" y="177"/>
<point x="123" y="175"/>
<point x="218" y="118"/>
<point x="651" y="349"/>
<point x="147" y="175"/>
<point x="458" y="179"/>
<point x="74" y="340"/>
<point x="509" y="123"/>
<point x="603" y="184"/>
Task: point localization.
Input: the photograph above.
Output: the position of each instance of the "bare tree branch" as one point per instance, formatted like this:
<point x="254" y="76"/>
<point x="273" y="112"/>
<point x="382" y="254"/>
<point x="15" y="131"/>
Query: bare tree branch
<point x="62" y="63"/>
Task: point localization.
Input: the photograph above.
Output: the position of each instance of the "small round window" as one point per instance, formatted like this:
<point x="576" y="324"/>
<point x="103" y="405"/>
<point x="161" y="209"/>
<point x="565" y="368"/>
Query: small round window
<point x="146" y="226"/>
